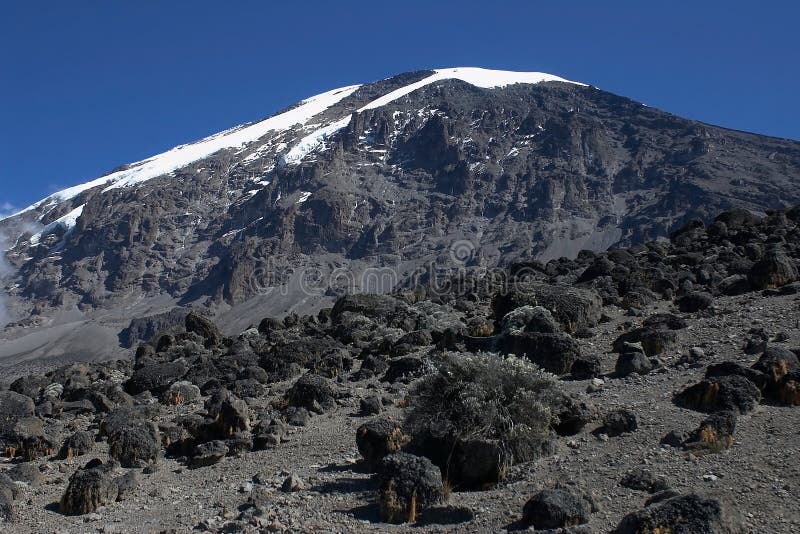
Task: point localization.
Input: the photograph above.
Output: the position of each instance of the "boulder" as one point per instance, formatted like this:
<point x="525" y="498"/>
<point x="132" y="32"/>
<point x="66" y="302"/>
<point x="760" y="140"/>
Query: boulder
<point x="312" y="392"/>
<point x="156" y="377"/>
<point x="8" y="492"/>
<point x="715" y="433"/>
<point x="555" y="508"/>
<point x="135" y="445"/>
<point x="378" y="438"/>
<point x="619" y="422"/>
<point x="15" y="408"/>
<point x="654" y="340"/>
<point x="529" y="319"/>
<point x="269" y="434"/>
<point x="632" y="362"/>
<point x="572" y="307"/>
<point x="371" y="405"/>
<point x="723" y="393"/>
<point x="204" y="328"/>
<point x="684" y="513"/>
<point x="555" y="353"/>
<point x="586" y="366"/>
<point x="77" y="444"/>
<point x="405" y="369"/>
<point x="229" y="413"/>
<point x="695" y="301"/>
<point x="90" y="488"/>
<point x="642" y="479"/>
<point x="408" y="484"/>
<point x="728" y="368"/>
<point x="26" y="473"/>
<point x="775" y="363"/>
<point x="774" y="270"/>
<point x="181" y="392"/>
<point x="209" y="453"/>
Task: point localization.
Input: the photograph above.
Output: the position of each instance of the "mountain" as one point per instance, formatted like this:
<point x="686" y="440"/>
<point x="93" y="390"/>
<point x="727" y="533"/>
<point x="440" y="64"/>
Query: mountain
<point x="366" y="188"/>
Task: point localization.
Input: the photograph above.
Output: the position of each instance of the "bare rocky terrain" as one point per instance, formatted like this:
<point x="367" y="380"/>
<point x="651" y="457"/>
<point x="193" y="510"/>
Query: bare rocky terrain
<point x="380" y="177"/>
<point x="645" y="389"/>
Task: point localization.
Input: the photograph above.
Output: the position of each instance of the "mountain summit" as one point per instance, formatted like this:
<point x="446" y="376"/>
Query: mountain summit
<point x="463" y="167"/>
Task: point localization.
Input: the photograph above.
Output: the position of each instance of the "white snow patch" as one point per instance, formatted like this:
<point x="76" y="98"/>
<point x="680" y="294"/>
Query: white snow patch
<point x="67" y="222"/>
<point x="311" y="142"/>
<point x="304" y="195"/>
<point x="485" y="78"/>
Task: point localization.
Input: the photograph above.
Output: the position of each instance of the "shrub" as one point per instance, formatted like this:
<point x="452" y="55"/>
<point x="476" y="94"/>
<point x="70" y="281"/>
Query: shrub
<point x="506" y="403"/>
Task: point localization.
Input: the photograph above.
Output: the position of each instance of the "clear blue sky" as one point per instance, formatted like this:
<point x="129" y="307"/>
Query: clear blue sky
<point x="86" y="86"/>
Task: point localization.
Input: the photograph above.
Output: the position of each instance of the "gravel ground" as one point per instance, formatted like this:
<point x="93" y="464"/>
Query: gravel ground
<point x="758" y="478"/>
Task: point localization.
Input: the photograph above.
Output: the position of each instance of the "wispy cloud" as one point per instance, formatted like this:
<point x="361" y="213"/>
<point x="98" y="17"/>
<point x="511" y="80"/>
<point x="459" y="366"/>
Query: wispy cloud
<point x="6" y="209"/>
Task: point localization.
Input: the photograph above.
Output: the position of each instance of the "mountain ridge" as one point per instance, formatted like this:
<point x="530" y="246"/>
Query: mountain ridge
<point x="517" y="172"/>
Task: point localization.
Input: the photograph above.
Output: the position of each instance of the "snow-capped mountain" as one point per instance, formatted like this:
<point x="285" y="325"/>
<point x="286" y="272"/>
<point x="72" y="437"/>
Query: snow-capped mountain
<point x="394" y="174"/>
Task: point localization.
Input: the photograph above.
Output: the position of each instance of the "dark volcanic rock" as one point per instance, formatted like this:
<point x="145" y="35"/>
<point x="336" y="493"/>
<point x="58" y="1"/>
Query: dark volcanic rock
<point x="90" y="488"/>
<point x="695" y="301"/>
<point x="555" y="508"/>
<point x="378" y="438"/>
<point x="312" y="392"/>
<point x="619" y="422"/>
<point x="16" y="409"/>
<point x="555" y="353"/>
<point x="776" y="269"/>
<point x="156" y="378"/>
<point x="633" y="362"/>
<point x="209" y="453"/>
<point x="574" y="308"/>
<point x="686" y="513"/>
<point x="775" y="363"/>
<point x="136" y="444"/>
<point x="724" y="393"/>
<point x="408" y="484"/>
<point x="715" y="433"/>
<point x="77" y="444"/>
<point x="643" y="479"/>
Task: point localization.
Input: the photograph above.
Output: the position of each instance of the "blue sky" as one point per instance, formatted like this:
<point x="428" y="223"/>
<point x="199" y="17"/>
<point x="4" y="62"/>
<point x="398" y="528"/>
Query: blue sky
<point x="86" y="86"/>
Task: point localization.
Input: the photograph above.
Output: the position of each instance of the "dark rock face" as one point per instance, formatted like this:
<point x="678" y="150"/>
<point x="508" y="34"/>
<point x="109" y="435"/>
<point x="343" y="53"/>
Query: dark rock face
<point x="407" y="485"/>
<point x="632" y="362"/>
<point x="777" y="364"/>
<point x="555" y="508"/>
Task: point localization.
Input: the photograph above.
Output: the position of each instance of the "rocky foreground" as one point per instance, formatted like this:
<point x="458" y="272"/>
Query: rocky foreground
<point x="640" y="390"/>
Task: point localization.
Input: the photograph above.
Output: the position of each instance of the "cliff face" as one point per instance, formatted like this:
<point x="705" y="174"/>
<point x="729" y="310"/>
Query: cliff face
<point x="381" y="176"/>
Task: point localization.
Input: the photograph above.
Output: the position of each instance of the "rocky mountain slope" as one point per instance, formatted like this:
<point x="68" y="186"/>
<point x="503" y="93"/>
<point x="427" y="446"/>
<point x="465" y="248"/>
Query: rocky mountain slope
<point x="651" y="388"/>
<point x="366" y="188"/>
